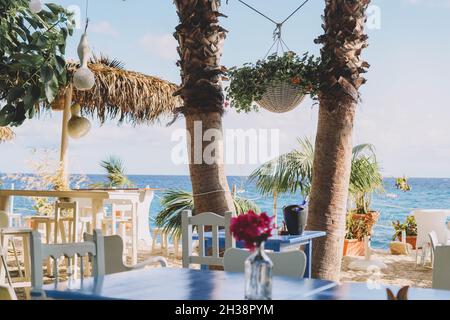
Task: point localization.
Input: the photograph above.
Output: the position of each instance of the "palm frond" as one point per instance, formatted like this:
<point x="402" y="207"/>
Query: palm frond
<point x="107" y="61"/>
<point x="122" y="94"/>
<point x="287" y="173"/>
<point x="365" y="178"/>
<point x="116" y="174"/>
<point x="364" y="149"/>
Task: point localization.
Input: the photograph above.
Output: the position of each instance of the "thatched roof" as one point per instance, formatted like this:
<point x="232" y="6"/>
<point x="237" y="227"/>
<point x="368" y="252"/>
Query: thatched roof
<point x="127" y="95"/>
<point x="6" y="134"/>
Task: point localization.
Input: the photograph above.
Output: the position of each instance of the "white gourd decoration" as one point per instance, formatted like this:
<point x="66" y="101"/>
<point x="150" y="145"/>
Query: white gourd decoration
<point x="35" y="6"/>
<point x="84" y="78"/>
<point x="78" y="126"/>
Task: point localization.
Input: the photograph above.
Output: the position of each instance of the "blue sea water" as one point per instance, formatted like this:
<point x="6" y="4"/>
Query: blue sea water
<point x="393" y="204"/>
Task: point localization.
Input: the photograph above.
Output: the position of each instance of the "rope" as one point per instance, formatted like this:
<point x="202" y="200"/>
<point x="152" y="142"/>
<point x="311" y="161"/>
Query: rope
<point x="295" y="11"/>
<point x="210" y="192"/>
<point x="277" y="34"/>
<point x="257" y="11"/>
<point x="87" y="16"/>
<point x="270" y="19"/>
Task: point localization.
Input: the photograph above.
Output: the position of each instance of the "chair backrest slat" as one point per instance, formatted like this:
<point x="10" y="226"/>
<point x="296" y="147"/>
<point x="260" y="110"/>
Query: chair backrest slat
<point x="215" y="241"/>
<point x="213" y="222"/>
<point x="201" y="240"/>
<point x="39" y="252"/>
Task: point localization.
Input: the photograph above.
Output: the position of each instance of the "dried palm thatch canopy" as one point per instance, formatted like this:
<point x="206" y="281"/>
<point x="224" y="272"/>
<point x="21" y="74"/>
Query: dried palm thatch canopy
<point x="127" y="95"/>
<point x="6" y="134"/>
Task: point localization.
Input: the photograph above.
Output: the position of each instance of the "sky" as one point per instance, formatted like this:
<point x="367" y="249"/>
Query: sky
<point x="405" y="108"/>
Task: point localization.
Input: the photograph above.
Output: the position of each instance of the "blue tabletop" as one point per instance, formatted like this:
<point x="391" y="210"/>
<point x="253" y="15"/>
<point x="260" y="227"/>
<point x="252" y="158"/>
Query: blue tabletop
<point x="189" y="284"/>
<point x="363" y="291"/>
<point x="179" y="284"/>
<point x="275" y="238"/>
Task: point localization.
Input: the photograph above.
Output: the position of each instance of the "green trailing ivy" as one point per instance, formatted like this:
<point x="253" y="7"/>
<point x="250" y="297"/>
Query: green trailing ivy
<point x="32" y="62"/>
<point x="249" y="83"/>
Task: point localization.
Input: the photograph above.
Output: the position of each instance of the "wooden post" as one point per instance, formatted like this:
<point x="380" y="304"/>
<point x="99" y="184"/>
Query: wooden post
<point x="367" y="248"/>
<point x="64" y="135"/>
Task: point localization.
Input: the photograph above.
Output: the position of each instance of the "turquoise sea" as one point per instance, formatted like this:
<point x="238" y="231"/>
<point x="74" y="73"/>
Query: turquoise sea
<point x="393" y="204"/>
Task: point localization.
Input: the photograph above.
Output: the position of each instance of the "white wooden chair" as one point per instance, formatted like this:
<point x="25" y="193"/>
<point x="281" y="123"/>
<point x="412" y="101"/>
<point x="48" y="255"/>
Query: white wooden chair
<point x="428" y="221"/>
<point x="7" y="293"/>
<point x="7" y="237"/>
<point x="92" y="249"/>
<point x="434" y="242"/>
<point x="114" y="256"/>
<point x="201" y="221"/>
<point x="66" y="213"/>
<point x="120" y="223"/>
<point x="441" y="266"/>
<point x="290" y="263"/>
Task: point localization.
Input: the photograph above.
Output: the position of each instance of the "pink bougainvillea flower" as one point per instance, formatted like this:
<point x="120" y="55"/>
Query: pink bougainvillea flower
<point x="252" y="228"/>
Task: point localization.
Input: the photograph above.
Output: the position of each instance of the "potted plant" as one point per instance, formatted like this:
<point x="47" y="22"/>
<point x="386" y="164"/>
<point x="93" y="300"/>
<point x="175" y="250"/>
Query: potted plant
<point x="365" y="179"/>
<point x="278" y="83"/>
<point x="410" y="228"/>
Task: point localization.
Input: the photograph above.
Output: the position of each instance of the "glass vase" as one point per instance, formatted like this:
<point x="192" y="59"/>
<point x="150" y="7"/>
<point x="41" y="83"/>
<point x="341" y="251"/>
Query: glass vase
<point x="258" y="275"/>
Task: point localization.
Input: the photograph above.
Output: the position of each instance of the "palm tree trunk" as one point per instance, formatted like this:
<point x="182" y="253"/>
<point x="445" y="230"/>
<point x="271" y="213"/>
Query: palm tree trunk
<point x="341" y="79"/>
<point x="209" y="183"/>
<point x="200" y="40"/>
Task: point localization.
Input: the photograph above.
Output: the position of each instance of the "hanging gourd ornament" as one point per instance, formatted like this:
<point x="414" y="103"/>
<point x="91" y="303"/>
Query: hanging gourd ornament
<point x="78" y="126"/>
<point x="84" y="78"/>
<point x="35" y="6"/>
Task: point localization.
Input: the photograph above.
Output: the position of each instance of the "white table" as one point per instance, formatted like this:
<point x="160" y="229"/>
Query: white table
<point x="96" y="199"/>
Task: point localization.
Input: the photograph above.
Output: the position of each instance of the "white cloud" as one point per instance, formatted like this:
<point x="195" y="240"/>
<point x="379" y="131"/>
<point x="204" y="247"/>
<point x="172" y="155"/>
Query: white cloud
<point x="104" y="28"/>
<point x="162" y="45"/>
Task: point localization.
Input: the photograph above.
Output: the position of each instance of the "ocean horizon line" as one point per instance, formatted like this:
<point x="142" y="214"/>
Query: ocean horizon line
<point x="187" y="175"/>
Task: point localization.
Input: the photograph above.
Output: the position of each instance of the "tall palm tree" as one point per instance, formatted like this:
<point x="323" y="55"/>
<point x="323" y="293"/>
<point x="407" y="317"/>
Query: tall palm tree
<point x="343" y="42"/>
<point x="200" y="39"/>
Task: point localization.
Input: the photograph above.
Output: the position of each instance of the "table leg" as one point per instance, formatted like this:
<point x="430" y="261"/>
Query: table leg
<point x="97" y="209"/>
<point x="3" y="253"/>
<point x="134" y="235"/>
<point x="308" y="253"/>
<point x="5" y="203"/>
<point x="26" y="262"/>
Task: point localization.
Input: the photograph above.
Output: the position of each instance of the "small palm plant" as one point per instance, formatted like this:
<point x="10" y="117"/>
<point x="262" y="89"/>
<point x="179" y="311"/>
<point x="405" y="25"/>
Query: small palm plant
<point x="115" y="173"/>
<point x="365" y="178"/>
<point x="288" y="173"/>
<point x="292" y="172"/>
<point x="175" y="201"/>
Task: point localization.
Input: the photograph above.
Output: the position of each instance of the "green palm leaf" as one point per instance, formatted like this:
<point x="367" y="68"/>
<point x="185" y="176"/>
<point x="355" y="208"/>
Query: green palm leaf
<point x="287" y="173"/>
<point x="116" y="174"/>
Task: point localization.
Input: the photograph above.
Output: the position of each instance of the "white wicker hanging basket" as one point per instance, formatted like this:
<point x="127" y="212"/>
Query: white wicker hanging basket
<point x="281" y="97"/>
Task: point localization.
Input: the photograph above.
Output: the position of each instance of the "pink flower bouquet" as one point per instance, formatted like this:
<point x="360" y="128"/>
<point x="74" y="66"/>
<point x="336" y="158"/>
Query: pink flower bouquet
<point x="252" y="228"/>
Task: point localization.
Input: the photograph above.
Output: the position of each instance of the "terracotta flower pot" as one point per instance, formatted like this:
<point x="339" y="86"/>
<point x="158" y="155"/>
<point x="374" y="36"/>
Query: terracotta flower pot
<point x="412" y="240"/>
<point x="353" y="247"/>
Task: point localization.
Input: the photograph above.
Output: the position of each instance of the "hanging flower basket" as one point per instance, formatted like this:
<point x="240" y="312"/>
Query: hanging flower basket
<point x="278" y="83"/>
<point x="281" y="97"/>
